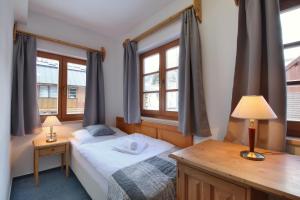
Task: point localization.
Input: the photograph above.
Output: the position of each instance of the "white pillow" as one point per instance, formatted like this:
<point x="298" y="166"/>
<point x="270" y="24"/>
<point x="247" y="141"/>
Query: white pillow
<point x="130" y="146"/>
<point x="82" y="136"/>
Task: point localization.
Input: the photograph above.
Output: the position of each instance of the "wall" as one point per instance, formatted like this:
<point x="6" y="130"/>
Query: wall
<point x="218" y="34"/>
<point x="113" y="78"/>
<point x="6" y="42"/>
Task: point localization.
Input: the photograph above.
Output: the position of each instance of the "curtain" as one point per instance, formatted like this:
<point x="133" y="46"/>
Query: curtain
<point x="131" y="93"/>
<point x="94" y="108"/>
<point x="192" y="109"/>
<point x="260" y="71"/>
<point x="25" y="118"/>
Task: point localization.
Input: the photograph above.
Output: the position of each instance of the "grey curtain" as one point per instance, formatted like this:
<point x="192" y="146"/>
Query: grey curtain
<point x="25" y="118"/>
<point x="131" y="91"/>
<point x="94" y="109"/>
<point x="192" y="109"/>
<point x="260" y="71"/>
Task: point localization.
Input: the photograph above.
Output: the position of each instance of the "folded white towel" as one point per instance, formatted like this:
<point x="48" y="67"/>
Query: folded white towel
<point x="130" y="146"/>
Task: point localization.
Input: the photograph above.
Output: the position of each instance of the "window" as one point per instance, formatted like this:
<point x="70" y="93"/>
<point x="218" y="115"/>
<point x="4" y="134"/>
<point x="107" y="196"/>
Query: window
<point x="72" y="92"/>
<point x="291" y="40"/>
<point x="61" y="84"/>
<point x="159" y="81"/>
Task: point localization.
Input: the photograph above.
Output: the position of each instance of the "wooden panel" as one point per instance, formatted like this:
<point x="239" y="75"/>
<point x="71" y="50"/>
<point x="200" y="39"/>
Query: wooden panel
<point x="164" y="132"/>
<point x="52" y="150"/>
<point x="278" y="174"/>
<point x="128" y="128"/>
<point x="146" y="130"/>
<point x="175" y="137"/>
<point x="201" y="186"/>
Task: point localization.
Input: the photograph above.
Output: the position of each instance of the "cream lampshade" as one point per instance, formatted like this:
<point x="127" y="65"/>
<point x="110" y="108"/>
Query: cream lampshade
<point x="51" y="121"/>
<point x="253" y="108"/>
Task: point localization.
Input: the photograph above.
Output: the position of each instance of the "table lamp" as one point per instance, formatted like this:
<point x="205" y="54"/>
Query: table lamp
<point x="253" y="108"/>
<point x="50" y="122"/>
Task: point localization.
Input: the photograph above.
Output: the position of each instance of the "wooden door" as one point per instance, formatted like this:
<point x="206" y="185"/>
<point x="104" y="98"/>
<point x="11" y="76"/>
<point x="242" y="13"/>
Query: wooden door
<point x="196" y="185"/>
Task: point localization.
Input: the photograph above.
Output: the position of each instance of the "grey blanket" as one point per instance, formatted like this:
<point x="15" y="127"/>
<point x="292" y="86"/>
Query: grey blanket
<point x="154" y="178"/>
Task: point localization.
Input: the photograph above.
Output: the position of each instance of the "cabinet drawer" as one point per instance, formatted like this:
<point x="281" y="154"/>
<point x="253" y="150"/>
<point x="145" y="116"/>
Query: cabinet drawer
<point x="52" y="150"/>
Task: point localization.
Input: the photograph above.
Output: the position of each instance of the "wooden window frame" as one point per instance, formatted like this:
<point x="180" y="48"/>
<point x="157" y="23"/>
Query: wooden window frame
<point x="161" y="113"/>
<point x="62" y="85"/>
<point x="293" y="127"/>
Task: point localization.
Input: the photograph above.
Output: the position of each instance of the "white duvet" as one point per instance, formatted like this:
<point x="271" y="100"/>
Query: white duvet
<point x="106" y="160"/>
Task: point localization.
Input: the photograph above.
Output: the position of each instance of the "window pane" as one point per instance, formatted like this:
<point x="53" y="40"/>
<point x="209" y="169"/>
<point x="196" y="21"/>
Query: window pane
<point x="76" y="88"/>
<point x="151" y="64"/>
<point x="290" y="26"/>
<point x="47" y="77"/>
<point x="151" y="82"/>
<point x="291" y="54"/>
<point x="53" y="91"/>
<point x="173" y="57"/>
<point x="43" y="91"/>
<point x="172" y="79"/>
<point x="151" y="101"/>
<point x="172" y="101"/>
<point x="293" y="103"/>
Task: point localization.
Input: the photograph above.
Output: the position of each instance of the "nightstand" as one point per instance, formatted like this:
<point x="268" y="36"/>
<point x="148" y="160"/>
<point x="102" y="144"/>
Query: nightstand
<point x="42" y="148"/>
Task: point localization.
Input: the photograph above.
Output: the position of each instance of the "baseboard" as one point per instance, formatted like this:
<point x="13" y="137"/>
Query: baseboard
<point x="40" y="172"/>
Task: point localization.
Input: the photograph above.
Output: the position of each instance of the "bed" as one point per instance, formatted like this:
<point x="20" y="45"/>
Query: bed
<point x="93" y="167"/>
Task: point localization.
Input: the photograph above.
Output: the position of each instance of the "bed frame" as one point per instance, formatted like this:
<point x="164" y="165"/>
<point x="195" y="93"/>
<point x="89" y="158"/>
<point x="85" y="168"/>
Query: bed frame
<point x="164" y="132"/>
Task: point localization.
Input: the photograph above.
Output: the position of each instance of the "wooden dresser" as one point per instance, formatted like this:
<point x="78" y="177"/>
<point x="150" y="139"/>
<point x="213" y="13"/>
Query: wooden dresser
<point x="214" y="170"/>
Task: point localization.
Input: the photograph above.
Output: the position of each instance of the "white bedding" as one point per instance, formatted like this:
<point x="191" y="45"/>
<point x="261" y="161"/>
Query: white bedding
<point x="106" y="161"/>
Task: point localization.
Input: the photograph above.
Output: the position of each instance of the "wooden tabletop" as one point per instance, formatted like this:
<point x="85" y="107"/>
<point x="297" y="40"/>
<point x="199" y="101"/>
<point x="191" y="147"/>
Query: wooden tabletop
<point x="41" y="142"/>
<point x="279" y="173"/>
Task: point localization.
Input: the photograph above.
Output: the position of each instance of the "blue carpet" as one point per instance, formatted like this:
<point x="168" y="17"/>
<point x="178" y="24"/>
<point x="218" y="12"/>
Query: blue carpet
<point x="54" y="185"/>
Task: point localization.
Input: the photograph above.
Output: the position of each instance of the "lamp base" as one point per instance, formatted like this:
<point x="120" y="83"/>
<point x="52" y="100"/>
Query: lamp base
<point x="49" y="140"/>
<point x="252" y="155"/>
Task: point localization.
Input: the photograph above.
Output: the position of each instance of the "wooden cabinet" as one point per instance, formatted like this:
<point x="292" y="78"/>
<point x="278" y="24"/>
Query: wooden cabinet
<point x="214" y="170"/>
<point x="196" y="185"/>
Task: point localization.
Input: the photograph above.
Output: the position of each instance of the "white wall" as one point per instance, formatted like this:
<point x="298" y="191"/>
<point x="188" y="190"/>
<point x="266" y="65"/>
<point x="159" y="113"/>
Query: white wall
<point x="113" y="78"/>
<point x="6" y="42"/>
<point x="218" y="34"/>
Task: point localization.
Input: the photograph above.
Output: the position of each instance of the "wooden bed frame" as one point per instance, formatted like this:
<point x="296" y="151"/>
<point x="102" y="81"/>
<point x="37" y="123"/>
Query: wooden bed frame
<point x="164" y="132"/>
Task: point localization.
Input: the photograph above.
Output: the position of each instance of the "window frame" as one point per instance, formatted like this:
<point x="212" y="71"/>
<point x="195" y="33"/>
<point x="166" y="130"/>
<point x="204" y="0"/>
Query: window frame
<point x="293" y="127"/>
<point x="62" y="93"/>
<point x="161" y="113"/>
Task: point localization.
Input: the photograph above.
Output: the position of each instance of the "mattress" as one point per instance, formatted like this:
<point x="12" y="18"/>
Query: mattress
<point x="92" y="181"/>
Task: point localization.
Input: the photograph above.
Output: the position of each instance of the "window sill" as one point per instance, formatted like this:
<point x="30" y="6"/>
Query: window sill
<point x="160" y="121"/>
<point x="72" y="122"/>
<point x="293" y="141"/>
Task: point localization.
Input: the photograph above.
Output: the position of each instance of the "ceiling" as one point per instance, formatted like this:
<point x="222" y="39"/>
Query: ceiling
<point x="112" y="18"/>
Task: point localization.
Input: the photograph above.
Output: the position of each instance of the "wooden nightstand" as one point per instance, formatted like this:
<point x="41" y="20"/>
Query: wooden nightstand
<point x="42" y="148"/>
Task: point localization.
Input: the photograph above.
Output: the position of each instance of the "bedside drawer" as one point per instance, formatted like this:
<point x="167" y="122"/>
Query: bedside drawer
<point x="52" y="150"/>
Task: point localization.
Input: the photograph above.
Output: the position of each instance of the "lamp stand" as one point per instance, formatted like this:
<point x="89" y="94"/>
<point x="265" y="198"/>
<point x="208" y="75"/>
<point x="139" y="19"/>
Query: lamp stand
<point x="52" y="136"/>
<point x="251" y="154"/>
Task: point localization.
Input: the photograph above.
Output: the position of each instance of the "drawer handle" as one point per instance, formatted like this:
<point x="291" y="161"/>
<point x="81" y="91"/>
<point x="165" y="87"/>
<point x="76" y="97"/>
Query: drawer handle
<point x="52" y="149"/>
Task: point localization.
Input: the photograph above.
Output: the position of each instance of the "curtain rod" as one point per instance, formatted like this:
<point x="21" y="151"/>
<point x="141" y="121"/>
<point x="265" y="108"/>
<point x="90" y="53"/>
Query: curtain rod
<point x="61" y="42"/>
<point x="196" y="5"/>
